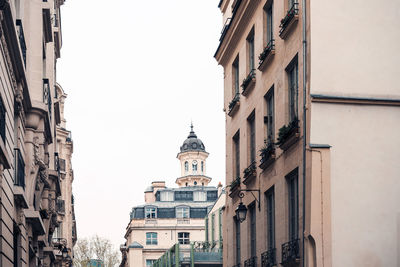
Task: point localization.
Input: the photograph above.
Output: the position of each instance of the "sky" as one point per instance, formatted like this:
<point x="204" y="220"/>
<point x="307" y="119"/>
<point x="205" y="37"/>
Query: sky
<point x="136" y="74"/>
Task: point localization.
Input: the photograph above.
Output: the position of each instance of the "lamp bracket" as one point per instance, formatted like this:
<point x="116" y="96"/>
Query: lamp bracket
<point x="241" y="195"/>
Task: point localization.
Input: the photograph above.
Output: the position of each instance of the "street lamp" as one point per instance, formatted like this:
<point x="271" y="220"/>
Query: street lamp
<point x="241" y="212"/>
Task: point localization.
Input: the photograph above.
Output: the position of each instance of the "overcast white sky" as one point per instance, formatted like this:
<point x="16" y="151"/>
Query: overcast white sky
<point x="136" y="73"/>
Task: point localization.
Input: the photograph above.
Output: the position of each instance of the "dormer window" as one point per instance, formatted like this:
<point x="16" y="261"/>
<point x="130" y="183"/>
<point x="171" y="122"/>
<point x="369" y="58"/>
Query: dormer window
<point x="182" y="212"/>
<point x="194" y="166"/>
<point x="186" y="166"/>
<point x="150" y="212"/>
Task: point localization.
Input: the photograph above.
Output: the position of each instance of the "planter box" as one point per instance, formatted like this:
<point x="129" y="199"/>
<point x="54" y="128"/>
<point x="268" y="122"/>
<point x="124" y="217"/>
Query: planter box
<point x="250" y="177"/>
<point x="266" y="162"/>
<point x="267" y="55"/>
<point x="249" y="83"/>
<point x="287" y="23"/>
<point x="233" y="192"/>
<point x="294" y="136"/>
<point x="234" y="109"/>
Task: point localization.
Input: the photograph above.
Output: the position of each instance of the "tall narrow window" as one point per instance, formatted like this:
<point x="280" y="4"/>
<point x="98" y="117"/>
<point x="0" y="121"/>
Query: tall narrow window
<point x="212" y="228"/>
<point x="269" y="118"/>
<point x="237" y="239"/>
<point x="194" y="167"/>
<point x="236" y="151"/>
<point x="252" y="137"/>
<point x="235" y="74"/>
<point x="270" y="219"/>
<point x="250" y="45"/>
<point x="206" y="230"/>
<point x="186" y="166"/>
<point x="292" y="72"/>
<point x="269" y="22"/>
<point x="253" y="230"/>
<point x="202" y="167"/>
<point x="292" y="181"/>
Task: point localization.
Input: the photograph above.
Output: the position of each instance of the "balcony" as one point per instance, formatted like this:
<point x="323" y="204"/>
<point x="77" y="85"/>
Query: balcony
<point x="287" y="23"/>
<point x="291" y="252"/>
<point x="268" y="258"/>
<point x="252" y="262"/>
<point x="267" y="154"/>
<point x="234" y="186"/>
<point x="21" y="38"/>
<point x="266" y="55"/>
<point x="237" y="265"/>
<point x="249" y="82"/>
<point x="250" y="173"/>
<point x="234" y="105"/>
<point x="288" y="134"/>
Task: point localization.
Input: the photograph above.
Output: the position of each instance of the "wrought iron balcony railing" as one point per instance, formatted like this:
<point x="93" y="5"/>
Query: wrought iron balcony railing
<point x="291" y="251"/>
<point x="268" y="258"/>
<point x="290" y="15"/>
<point x="20" y="169"/>
<point x="21" y="37"/>
<point x="252" y="262"/>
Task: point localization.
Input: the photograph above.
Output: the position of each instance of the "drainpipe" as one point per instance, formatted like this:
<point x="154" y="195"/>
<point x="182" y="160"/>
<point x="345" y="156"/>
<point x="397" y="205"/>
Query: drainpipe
<point x="304" y="24"/>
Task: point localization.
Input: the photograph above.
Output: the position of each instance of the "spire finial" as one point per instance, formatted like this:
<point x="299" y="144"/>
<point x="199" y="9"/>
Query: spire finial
<point x="191" y="126"/>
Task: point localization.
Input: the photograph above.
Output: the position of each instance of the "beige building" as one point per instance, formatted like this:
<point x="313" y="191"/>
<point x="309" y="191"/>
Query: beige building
<point x="312" y="122"/>
<point x="32" y="184"/>
<point x="171" y="215"/>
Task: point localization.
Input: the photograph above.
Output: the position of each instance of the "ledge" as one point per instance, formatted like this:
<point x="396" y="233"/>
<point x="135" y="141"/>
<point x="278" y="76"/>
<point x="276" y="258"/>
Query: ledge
<point x="267" y="55"/>
<point x="34" y="219"/>
<point x="249" y="82"/>
<point x="288" y="22"/>
<point x="290" y="140"/>
<point x="268" y="161"/>
<point x="19" y="197"/>
<point x="234" y="109"/>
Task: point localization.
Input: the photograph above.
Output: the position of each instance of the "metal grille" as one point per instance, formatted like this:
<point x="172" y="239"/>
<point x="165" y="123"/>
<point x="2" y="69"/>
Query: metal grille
<point x="268" y="258"/>
<point x="252" y="262"/>
<point x="291" y="251"/>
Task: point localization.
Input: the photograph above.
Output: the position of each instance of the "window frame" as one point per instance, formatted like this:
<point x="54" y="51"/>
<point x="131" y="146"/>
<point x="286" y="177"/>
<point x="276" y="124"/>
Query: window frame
<point x="182" y="212"/>
<point x="151" y="213"/>
<point x="292" y="71"/>
<point x="269" y="119"/>
<point x="250" y="50"/>
<point x="236" y="153"/>
<point x="184" y="239"/>
<point x="235" y="77"/>
<point x="253" y="229"/>
<point x="237" y="240"/>
<point x="251" y="123"/>
<point x="270" y="217"/>
<point x="293" y="204"/>
<point x="269" y="21"/>
<point x="151" y="238"/>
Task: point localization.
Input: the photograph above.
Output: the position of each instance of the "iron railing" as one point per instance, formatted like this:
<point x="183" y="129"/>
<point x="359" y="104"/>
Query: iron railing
<point x="291" y="251"/>
<point x="267" y="50"/>
<point x="252" y="262"/>
<point x="21" y="37"/>
<point x="234" y="101"/>
<point x="268" y="258"/>
<point x="19" y="179"/>
<point x="293" y="11"/>
<point x="237" y="265"/>
<point x="248" y="79"/>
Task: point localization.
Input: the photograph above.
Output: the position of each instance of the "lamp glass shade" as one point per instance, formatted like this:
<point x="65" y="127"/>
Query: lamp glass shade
<point x="241" y="212"/>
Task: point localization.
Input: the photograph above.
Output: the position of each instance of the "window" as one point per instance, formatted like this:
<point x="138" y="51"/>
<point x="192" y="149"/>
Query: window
<point x="250" y="45"/>
<point x="252" y="136"/>
<point x="270" y="218"/>
<point x="199" y="196"/>
<point x="237" y="239"/>
<point x="235" y="75"/>
<point x="167" y="196"/>
<point x="183" y="196"/>
<point x="202" y="167"/>
<point x="292" y="72"/>
<point x="212" y="228"/>
<point x="186" y="166"/>
<point x="212" y="195"/>
<point x="2" y="121"/>
<point x="291" y="3"/>
<point x="149" y="263"/>
<point x="183" y="238"/>
<point x="151" y="239"/>
<point x="269" y="118"/>
<point x="206" y="227"/>
<point x="150" y="212"/>
<point x="182" y="212"/>
<point x="292" y="182"/>
<point x="194" y="167"/>
<point x="236" y="153"/>
<point x="269" y="21"/>
<point x="253" y="232"/>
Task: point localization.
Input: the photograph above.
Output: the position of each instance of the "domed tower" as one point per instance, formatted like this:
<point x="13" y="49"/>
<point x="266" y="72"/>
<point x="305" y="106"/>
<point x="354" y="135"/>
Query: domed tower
<point x="193" y="158"/>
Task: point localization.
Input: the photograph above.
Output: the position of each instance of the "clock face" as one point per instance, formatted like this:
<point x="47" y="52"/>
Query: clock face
<point x="194" y="162"/>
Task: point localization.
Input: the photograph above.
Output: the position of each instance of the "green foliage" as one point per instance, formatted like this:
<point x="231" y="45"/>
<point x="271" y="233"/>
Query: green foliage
<point x="286" y="130"/>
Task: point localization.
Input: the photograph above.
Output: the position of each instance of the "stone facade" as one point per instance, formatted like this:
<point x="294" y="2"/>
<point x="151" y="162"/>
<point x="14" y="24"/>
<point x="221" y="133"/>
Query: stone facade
<point x="31" y="183"/>
<point x="302" y="85"/>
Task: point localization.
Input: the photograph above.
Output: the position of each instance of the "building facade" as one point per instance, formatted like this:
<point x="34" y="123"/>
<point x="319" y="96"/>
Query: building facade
<point x="31" y="182"/>
<point x="171" y="215"/>
<point x="302" y="85"/>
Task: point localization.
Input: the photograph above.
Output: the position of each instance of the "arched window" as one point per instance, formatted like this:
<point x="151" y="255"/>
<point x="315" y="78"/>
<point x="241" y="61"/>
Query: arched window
<point x="194" y="167"/>
<point x="186" y="166"/>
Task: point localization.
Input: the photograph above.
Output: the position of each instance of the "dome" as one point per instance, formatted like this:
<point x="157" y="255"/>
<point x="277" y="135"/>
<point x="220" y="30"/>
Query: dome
<point x="192" y="143"/>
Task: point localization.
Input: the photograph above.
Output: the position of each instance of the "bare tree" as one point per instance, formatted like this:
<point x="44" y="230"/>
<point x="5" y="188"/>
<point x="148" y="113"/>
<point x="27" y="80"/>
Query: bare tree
<point x="95" y="248"/>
